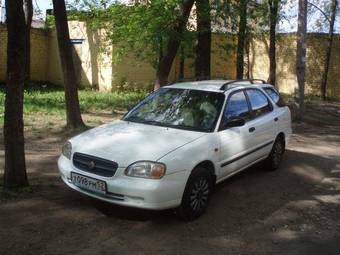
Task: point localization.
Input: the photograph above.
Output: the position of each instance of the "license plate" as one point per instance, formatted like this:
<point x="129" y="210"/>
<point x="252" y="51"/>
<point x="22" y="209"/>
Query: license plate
<point x="88" y="183"/>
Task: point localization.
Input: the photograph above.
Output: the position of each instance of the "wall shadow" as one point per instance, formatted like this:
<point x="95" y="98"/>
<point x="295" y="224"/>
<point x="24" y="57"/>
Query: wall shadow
<point x="93" y="41"/>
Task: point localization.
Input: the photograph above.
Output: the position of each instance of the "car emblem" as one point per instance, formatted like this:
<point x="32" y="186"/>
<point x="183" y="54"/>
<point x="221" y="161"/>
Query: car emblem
<point x="91" y="165"/>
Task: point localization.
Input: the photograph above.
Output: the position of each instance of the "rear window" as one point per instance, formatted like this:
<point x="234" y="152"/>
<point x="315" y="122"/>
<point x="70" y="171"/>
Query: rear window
<point x="275" y="96"/>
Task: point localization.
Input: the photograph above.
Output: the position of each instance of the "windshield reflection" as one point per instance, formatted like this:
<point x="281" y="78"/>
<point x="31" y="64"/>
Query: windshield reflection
<point x="188" y="109"/>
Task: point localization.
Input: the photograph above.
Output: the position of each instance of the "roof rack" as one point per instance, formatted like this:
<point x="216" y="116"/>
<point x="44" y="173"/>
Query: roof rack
<point x="251" y="81"/>
<point x="200" y="78"/>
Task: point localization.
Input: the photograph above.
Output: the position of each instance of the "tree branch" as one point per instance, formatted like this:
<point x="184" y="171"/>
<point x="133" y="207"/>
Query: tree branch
<point x="320" y="10"/>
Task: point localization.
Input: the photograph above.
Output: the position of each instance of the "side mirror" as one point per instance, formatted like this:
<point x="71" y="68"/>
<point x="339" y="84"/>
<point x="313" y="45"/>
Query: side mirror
<point x="234" y="122"/>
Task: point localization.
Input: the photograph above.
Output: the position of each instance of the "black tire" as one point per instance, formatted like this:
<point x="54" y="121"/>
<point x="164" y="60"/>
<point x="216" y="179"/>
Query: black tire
<point x="274" y="159"/>
<point x="196" y="195"/>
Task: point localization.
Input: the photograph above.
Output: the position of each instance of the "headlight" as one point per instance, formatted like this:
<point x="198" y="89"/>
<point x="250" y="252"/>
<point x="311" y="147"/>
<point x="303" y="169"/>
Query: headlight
<point x="146" y="169"/>
<point x="67" y="150"/>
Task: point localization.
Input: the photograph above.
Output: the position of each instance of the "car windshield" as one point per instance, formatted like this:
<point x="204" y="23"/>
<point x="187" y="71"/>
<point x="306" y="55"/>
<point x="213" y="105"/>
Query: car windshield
<point x="179" y="108"/>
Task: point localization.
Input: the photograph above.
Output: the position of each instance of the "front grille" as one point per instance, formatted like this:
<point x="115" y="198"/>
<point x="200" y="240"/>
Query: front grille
<point x="95" y="165"/>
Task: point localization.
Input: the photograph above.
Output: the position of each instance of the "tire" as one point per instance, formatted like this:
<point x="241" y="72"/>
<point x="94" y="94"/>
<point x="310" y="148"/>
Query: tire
<point x="196" y="195"/>
<point x="274" y="159"/>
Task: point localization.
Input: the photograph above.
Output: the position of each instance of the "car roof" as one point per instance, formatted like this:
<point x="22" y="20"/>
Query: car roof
<point x="216" y="85"/>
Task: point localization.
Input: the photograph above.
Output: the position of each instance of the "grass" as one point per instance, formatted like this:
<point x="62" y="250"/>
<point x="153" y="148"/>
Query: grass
<point x="50" y="100"/>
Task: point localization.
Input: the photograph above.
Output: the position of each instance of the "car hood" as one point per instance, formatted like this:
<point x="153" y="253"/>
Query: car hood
<point x="127" y="142"/>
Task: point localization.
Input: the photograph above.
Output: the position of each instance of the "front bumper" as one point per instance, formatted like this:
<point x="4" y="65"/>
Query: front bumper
<point x="131" y="191"/>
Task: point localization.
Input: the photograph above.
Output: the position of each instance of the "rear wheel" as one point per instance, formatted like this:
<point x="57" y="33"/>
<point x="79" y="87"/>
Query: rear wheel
<point x="274" y="159"/>
<point x="196" y="194"/>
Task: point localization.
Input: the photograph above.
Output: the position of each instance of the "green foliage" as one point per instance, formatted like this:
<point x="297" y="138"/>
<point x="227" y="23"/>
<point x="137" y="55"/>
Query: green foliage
<point x="50" y="23"/>
<point x="227" y="14"/>
<point x="90" y="4"/>
<point x="321" y="11"/>
<point x="141" y="29"/>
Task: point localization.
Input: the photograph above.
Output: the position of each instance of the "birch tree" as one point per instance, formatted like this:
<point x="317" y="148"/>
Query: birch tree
<point x="301" y="49"/>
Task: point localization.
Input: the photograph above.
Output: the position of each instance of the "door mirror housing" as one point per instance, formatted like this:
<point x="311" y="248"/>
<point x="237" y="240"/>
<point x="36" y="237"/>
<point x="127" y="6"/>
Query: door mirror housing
<point x="234" y="122"/>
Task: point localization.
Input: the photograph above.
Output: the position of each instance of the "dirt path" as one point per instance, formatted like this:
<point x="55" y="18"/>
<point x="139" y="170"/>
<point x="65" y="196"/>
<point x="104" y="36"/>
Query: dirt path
<point x="295" y="210"/>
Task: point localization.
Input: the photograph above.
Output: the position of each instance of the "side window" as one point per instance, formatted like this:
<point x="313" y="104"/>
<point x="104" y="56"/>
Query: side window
<point x="273" y="94"/>
<point x="259" y="102"/>
<point x="237" y="106"/>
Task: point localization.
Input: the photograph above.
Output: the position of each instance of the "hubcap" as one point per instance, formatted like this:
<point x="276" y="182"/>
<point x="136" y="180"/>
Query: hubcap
<point x="199" y="195"/>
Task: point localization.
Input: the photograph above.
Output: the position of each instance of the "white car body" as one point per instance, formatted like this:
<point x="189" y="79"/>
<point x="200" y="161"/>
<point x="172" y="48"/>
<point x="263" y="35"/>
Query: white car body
<point x="227" y="151"/>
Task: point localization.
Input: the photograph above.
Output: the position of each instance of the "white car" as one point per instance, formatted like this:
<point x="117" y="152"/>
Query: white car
<point x="172" y="148"/>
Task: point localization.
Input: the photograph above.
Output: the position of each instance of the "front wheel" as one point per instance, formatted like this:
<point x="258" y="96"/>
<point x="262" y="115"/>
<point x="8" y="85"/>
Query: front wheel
<point x="274" y="159"/>
<point x="196" y="195"/>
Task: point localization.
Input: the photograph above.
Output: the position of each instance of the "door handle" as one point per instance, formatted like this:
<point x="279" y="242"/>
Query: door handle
<point x="252" y="129"/>
<point x="276" y="119"/>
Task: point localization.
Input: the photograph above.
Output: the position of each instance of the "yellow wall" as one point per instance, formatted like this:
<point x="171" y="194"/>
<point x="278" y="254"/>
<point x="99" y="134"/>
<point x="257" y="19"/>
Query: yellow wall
<point x="223" y="57"/>
<point x="3" y="52"/>
<point x="39" y="54"/>
<point x="97" y="67"/>
<point x="53" y="68"/>
<point x="285" y="62"/>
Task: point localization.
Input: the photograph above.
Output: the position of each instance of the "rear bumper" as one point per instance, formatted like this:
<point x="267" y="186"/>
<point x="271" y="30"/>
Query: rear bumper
<point x="130" y="191"/>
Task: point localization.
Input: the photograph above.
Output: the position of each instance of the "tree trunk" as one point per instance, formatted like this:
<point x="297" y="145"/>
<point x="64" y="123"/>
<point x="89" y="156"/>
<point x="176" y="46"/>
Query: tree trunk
<point x="181" y="64"/>
<point x="328" y="51"/>
<point x="247" y="50"/>
<point x="73" y="114"/>
<point x="203" y="51"/>
<point x="241" y="37"/>
<point x="172" y="46"/>
<point x="301" y="55"/>
<point x="28" y="9"/>
<point x="160" y="50"/>
<point x="15" y="167"/>
<point x="273" y="6"/>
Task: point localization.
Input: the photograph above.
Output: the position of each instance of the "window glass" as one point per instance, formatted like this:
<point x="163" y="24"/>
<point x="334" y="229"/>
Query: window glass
<point x="179" y="108"/>
<point x="237" y="106"/>
<point x="259" y="102"/>
<point x="273" y="94"/>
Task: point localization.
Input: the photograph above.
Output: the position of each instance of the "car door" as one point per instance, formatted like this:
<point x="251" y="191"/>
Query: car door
<point x="282" y="113"/>
<point x="234" y="141"/>
<point x="263" y="124"/>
